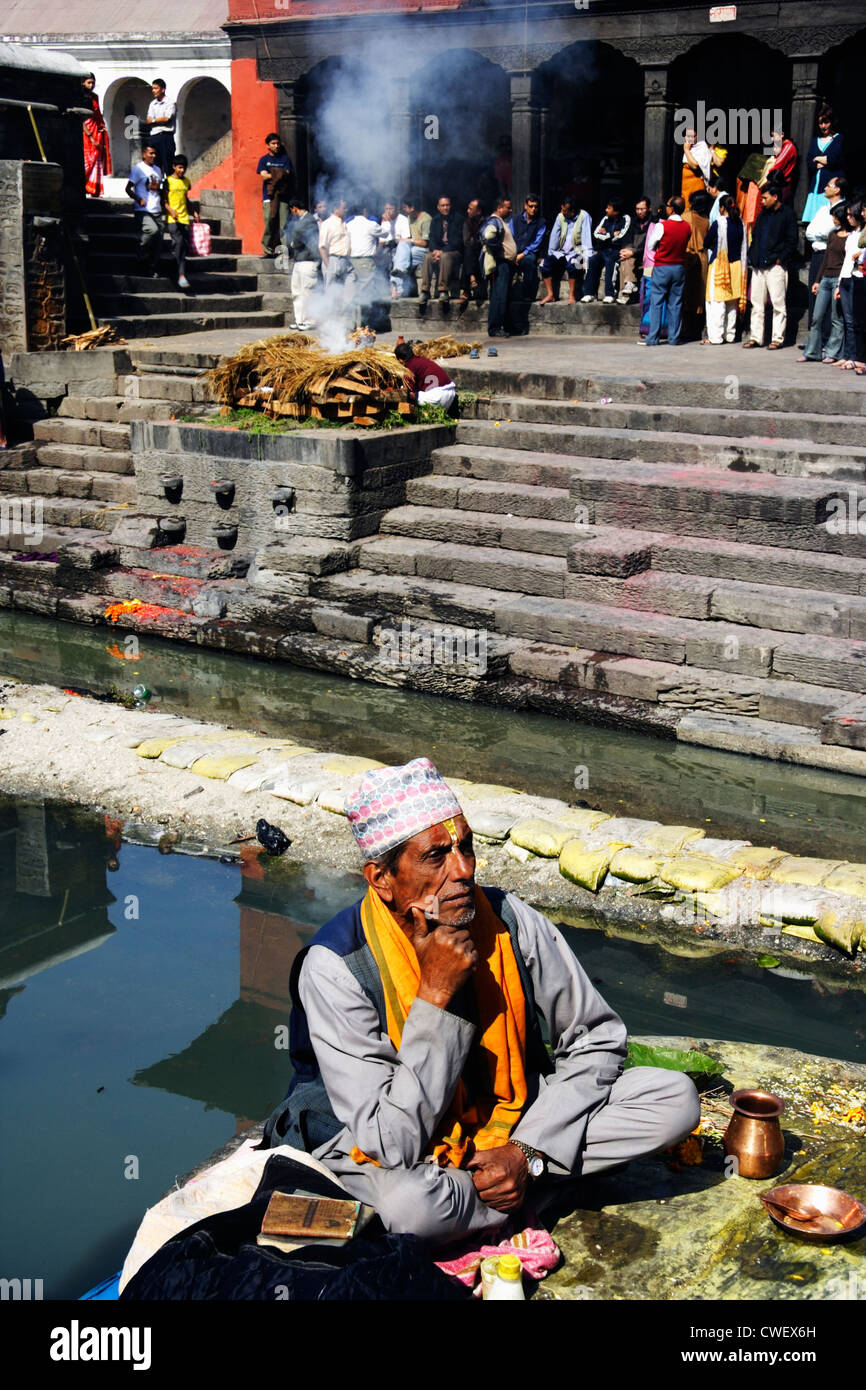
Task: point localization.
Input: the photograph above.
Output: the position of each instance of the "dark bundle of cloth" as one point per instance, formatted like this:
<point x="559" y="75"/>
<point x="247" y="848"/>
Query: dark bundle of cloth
<point x="218" y="1258"/>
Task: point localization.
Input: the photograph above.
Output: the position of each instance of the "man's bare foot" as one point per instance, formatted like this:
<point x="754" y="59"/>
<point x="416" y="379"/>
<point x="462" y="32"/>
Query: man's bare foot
<point x="550" y="300"/>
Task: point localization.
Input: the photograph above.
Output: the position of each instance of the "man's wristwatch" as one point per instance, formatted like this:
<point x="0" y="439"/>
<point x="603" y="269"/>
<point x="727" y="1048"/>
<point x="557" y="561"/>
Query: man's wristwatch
<point x="537" y="1164"/>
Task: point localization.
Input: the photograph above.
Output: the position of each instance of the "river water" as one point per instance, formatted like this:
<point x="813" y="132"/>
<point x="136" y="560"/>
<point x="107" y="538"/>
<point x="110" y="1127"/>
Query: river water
<point x="143" y="1001"/>
<point x="803" y="810"/>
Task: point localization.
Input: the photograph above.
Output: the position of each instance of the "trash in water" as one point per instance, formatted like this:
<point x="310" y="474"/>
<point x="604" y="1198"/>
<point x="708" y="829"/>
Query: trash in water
<point x="141" y="695"/>
<point x="605" y="400"/>
<point x="272" y="837"/>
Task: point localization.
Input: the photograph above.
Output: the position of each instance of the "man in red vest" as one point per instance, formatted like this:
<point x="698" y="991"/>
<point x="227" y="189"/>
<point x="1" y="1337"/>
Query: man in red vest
<point x="669" y="239"/>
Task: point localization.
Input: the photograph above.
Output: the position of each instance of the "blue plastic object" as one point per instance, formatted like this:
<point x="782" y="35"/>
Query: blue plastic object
<point x="106" y="1291"/>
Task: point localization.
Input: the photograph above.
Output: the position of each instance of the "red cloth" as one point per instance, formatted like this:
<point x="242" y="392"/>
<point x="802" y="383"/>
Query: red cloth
<point x="427" y="373"/>
<point x="671" y="250"/>
<point x="97" y="155"/>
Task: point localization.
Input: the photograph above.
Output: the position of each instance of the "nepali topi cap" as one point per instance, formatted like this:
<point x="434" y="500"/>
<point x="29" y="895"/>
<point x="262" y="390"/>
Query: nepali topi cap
<point x="392" y="804"/>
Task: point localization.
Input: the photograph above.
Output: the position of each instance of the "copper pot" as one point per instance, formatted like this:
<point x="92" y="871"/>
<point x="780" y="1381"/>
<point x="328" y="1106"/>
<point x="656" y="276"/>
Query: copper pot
<point x="754" y="1136"/>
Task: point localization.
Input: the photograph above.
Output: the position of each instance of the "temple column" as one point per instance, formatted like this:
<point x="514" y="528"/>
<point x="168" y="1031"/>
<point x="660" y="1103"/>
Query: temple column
<point x="402" y="120"/>
<point x="804" y="109"/>
<point x="294" y="134"/>
<point x="525" y="138"/>
<point x="658" y="136"/>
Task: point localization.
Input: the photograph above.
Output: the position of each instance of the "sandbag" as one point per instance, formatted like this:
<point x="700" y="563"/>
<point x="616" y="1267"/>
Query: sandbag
<point x="634" y="866"/>
<point x="588" y="868"/>
<point x="544" y="837"/>
<point x="692" y="874"/>
<point x="840" y="931"/>
<point x="850" y="879"/>
<point x="809" y="872"/>
<point x="670" y="838"/>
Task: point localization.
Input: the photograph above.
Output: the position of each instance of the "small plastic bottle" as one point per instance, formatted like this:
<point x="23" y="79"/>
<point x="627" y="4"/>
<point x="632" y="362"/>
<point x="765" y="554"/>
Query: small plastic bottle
<point x="508" y="1284"/>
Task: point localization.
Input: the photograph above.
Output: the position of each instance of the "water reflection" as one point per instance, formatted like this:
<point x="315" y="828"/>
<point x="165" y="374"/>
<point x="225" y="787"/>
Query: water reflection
<point x="805" y="810"/>
<point x="54" y="898"/>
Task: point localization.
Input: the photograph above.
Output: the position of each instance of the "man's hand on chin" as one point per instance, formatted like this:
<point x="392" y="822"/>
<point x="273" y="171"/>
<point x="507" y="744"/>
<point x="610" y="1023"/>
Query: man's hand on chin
<point x="500" y="1176"/>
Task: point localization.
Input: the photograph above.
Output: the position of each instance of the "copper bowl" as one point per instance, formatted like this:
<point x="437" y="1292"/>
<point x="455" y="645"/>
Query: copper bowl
<point x="842" y="1216"/>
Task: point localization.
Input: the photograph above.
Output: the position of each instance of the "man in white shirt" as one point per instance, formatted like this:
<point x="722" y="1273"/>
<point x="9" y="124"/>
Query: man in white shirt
<point x="820" y="228"/>
<point x="144" y="187"/>
<point x="334" y="242"/>
<point x="365" y="240"/>
<point x="161" y="116"/>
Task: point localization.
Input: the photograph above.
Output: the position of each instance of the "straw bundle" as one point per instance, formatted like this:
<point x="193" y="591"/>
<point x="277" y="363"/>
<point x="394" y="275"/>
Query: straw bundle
<point x="446" y="346"/>
<point x="238" y="375"/>
<point x="291" y="375"/>
<point x="93" y="338"/>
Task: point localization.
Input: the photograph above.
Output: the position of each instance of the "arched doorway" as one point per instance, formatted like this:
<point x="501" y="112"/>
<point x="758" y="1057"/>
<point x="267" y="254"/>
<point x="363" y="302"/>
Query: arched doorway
<point x="462" y="119"/>
<point x="125" y="108"/>
<point x="593" y="135"/>
<point x="840" y="81"/>
<point x="204" y="116"/>
<point x="353" y="148"/>
<point x="741" y="77"/>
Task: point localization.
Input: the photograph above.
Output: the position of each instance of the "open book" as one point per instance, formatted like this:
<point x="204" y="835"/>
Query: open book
<point x="302" y="1218"/>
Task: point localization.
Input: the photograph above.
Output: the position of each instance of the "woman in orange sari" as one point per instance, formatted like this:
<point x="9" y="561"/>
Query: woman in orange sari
<point x="97" y="156"/>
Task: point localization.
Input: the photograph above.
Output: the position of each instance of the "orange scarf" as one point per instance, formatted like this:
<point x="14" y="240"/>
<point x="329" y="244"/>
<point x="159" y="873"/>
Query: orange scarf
<point x="470" y="1122"/>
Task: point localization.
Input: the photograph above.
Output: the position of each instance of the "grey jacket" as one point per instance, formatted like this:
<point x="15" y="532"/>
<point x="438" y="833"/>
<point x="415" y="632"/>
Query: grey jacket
<point x="390" y="1101"/>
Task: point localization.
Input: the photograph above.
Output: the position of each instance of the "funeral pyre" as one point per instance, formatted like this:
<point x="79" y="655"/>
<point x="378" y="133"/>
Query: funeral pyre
<point x="291" y="375"/>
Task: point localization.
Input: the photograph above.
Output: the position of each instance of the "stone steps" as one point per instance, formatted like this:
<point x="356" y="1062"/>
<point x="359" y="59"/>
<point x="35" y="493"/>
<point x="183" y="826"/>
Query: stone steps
<point x="52" y="482"/>
<point x="785" y="456"/>
<point x="835" y="662"/>
<point x="701" y="388"/>
<point x="749" y="604"/>
<point x="166" y="386"/>
<point x="125" y="266"/>
<point x="73" y="457"/>
<point x="144" y="326"/>
<point x="501" y="465"/>
<point x="752" y="427"/>
<point x="759" y="509"/>
<point x="122" y="240"/>
<point x="796" y="569"/>
<point x="201" y="300"/>
<point x="486" y="566"/>
<point x="199" y="272"/>
<point x="62" y="514"/>
<point x="119" y="409"/>
<point x="576" y="320"/>
<point x="91" y="433"/>
<point x="543" y="535"/>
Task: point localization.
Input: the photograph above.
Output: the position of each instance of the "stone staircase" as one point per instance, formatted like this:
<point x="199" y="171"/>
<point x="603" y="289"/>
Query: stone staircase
<point x="647" y="558"/>
<point x="79" y="465"/>
<point x="222" y="295"/>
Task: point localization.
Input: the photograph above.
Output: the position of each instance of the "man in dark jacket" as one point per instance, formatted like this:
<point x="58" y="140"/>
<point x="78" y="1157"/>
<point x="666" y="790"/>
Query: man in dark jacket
<point x="444" y="253"/>
<point x="470" y="276"/>
<point x="529" y="233"/>
<point x="302" y="238"/>
<point x="773" y="247"/>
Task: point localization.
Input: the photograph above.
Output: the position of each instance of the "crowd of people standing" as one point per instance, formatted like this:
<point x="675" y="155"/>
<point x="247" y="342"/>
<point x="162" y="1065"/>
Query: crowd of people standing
<point x="707" y="266"/>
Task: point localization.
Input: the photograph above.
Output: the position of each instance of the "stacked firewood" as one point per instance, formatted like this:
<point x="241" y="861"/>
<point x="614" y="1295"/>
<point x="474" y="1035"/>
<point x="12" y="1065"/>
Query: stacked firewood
<point x="285" y="376"/>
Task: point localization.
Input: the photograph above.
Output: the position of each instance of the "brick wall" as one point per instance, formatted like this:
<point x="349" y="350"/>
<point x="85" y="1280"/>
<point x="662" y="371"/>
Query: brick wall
<point x="32" y="273"/>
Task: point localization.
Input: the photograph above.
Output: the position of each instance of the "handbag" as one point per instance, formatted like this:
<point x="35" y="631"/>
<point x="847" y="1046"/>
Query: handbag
<point x="200" y="239"/>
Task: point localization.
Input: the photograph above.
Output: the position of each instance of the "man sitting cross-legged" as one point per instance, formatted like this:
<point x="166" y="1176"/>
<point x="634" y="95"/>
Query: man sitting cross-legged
<point x="421" y="1077"/>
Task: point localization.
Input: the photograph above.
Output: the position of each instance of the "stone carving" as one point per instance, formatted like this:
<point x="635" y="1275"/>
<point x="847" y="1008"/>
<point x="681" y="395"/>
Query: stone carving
<point x="655" y="50"/>
<point x="812" y="41"/>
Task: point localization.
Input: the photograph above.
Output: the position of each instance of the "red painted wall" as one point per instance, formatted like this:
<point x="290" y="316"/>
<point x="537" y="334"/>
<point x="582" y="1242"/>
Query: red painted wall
<point x="254" y="114"/>
<point x="222" y="176"/>
<point x="315" y="9"/>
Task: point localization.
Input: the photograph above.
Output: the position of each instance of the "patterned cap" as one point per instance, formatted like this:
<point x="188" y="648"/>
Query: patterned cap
<point x="392" y="804"/>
